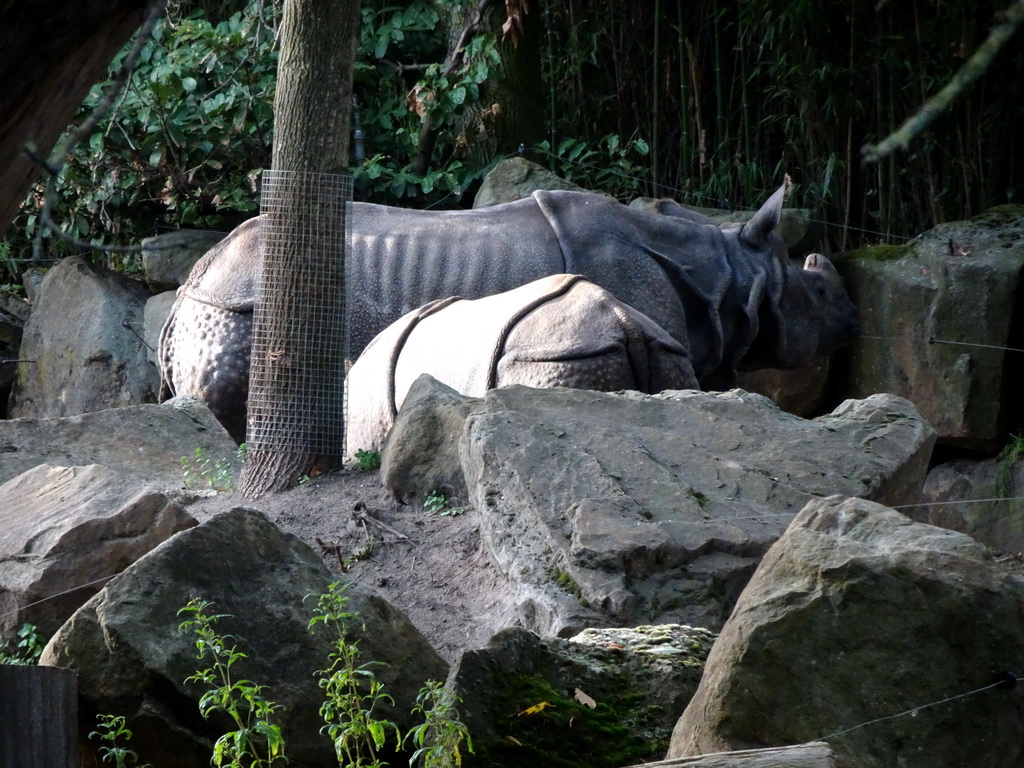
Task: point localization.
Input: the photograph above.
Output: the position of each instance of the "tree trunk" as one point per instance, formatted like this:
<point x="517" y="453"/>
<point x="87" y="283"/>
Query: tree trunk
<point x="51" y="55"/>
<point x="296" y="392"/>
<point x="510" y="111"/>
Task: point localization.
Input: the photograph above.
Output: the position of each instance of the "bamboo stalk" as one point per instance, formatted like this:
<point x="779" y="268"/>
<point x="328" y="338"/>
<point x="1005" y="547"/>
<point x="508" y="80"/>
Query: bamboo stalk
<point x="684" y="113"/>
<point x="656" y="99"/>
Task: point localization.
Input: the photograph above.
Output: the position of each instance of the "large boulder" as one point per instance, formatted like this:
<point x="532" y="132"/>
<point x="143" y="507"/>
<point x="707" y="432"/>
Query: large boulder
<point x="84" y="338"/>
<point x="144" y="442"/>
<point x="167" y="259"/>
<point x="66" y="531"/>
<point x="515" y="178"/>
<point x="155" y="314"/>
<point x="862" y="628"/>
<point x="132" y="660"/>
<point x="13" y="314"/>
<point x="983" y="498"/>
<point x="630" y="508"/>
<point x="937" y="317"/>
<point x="608" y="697"/>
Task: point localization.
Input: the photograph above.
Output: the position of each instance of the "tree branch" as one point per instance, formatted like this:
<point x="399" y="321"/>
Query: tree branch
<point x="55" y="163"/>
<point x="428" y="129"/>
<point x="972" y="69"/>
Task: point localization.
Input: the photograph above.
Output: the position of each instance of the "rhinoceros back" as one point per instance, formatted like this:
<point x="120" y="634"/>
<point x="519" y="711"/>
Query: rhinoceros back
<point x="400" y="259"/>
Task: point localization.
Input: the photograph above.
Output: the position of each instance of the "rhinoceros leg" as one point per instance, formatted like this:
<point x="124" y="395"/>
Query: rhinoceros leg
<point x="207" y="355"/>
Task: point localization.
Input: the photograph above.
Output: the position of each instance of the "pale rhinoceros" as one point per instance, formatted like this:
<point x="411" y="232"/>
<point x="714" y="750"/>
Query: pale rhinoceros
<point x="558" y="331"/>
<point x="729" y="295"/>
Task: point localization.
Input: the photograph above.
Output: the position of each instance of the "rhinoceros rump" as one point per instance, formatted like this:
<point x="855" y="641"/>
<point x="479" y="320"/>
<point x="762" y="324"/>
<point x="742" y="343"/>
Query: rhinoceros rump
<point x="730" y="296"/>
<point x="559" y="331"/>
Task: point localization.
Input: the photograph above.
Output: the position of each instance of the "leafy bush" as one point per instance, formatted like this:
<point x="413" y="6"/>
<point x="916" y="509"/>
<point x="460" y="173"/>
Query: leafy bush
<point x="28" y="648"/>
<point x="183" y="144"/>
<point x="111" y="730"/>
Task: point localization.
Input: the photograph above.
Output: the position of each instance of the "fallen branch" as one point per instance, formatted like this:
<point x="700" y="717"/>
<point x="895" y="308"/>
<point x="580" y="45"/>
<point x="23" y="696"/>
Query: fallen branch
<point x="360" y="514"/>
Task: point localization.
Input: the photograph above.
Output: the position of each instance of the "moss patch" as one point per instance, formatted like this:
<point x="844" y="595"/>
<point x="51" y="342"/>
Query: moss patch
<point x="879" y="253"/>
<point x="565" y="733"/>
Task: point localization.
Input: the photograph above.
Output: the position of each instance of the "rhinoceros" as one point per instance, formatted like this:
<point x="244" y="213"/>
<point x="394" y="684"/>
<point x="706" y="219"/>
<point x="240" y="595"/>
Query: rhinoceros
<point x="729" y="295"/>
<point x="558" y="331"/>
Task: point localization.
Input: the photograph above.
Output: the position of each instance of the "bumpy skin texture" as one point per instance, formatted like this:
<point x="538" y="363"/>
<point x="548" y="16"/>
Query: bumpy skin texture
<point x="729" y="296"/>
<point x="558" y="331"/>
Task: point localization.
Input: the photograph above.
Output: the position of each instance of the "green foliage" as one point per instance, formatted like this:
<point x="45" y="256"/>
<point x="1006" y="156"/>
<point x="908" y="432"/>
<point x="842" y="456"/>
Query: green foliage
<point x="202" y="471"/>
<point x="27" y="649"/>
<point x="111" y="729"/>
<point x="437" y="502"/>
<point x="1008" y="459"/>
<point x="439" y="738"/>
<point x="399" y="79"/>
<point x="352" y="691"/>
<point x="608" y="165"/>
<point x="185" y="141"/>
<point x="256" y="741"/>
<point x="368" y="460"/>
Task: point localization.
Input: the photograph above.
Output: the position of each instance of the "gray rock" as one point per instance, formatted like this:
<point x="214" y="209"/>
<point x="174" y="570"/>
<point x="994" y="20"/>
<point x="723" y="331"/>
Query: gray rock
<point x="145" y="442"/>
<point x="131" y="659"/>
<point x="857" y="614"/>
<point x="629" y="508"/>
<point x="612" y="695"/>
<point x="801" y="392"/>
<point x="956" y="285"/>
<point x="84" y="338"/>
<point x="154" y="316"/>
<point x="167" y="259"/>
<point x="982" y="498"/>
<point x="13" y="313"/>
<point x="515" y="178"/>
<point x="32" y="279"/>
<point x="419" y="455"/>
<point x="66" y="531"/>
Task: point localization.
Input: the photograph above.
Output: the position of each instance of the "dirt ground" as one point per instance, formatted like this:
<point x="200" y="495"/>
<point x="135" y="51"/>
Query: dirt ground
<point x="430" y="565"/>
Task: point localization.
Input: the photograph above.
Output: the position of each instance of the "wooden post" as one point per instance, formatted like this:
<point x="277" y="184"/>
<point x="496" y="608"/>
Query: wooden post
<point x="38" y="717"/>
<point x="815" y="754"/>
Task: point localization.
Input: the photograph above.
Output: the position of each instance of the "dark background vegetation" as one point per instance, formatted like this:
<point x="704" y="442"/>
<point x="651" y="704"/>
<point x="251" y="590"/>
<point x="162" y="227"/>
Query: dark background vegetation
<point x="706" y="101"/>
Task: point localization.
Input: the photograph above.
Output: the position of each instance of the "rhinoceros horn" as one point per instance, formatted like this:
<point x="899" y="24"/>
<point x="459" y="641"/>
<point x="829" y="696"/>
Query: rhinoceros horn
<point x="755" y="232"/>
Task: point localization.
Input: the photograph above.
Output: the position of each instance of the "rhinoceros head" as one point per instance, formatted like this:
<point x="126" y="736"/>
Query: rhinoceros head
<point x="806" y="313"/>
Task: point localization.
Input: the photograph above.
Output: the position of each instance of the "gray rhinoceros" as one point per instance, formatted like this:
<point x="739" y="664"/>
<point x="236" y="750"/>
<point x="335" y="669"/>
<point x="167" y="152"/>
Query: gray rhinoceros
<point x="558" y="331"/>
<point x="729" y="295"/>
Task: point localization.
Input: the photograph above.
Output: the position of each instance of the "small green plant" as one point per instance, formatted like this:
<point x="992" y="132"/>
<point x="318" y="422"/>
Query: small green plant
<point x="437" y="502"/>
<point x="201" y="471"/>
<point x="111" y="729"/>
<point x="368" y="460"/>
<point x="439" y="738"/>
<point x="27" y="649"/>
<point x="352" y="690"/>
<point x="257" y="741"/>
<point x="1008" y="459"/>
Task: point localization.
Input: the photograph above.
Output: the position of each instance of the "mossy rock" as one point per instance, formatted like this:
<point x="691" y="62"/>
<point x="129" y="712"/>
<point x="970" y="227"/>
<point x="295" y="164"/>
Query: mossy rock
<point x="604" y="699"/>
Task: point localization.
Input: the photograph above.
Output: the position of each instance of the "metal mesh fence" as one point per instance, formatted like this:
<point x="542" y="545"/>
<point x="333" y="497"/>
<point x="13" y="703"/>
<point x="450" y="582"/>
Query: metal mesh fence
<point x="296" y="392"/>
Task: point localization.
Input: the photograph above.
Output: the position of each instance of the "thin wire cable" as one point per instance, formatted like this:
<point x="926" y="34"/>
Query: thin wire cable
<point x="951" y="342"/>
<point x="912" y="711"/>
<point x="57" y="594"/>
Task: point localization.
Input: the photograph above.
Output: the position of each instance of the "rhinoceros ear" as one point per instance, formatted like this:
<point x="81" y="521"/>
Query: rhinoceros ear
<point x="761" y="224"/>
